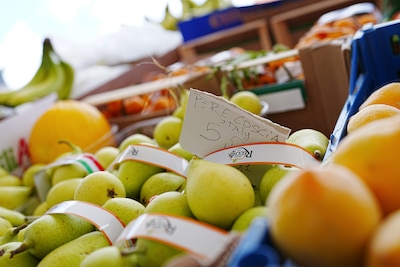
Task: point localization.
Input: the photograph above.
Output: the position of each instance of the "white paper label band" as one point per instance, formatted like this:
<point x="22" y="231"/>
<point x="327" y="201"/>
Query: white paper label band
<point x="154" y="156"/>
<point x="264" y="153"/>
<point x="204" y="241"/>
<point x="104" y="220"/>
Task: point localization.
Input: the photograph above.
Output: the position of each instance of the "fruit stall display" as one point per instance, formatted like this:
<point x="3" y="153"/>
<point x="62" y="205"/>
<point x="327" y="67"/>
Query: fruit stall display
<point x="215" y="184"/>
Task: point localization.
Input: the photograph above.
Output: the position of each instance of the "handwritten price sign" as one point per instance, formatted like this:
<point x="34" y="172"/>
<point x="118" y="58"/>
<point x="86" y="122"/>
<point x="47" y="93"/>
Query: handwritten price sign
<point x="212" y="123"/>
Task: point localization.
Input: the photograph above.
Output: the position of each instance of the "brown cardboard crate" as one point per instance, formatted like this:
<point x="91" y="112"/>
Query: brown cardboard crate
<point x="252" y="35"/>
<point x="289" y="26"/>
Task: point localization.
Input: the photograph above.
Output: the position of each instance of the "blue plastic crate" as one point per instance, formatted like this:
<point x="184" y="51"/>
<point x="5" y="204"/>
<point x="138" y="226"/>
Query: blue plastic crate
<point x="375" y="61"/>
<point x="257" y="249"/>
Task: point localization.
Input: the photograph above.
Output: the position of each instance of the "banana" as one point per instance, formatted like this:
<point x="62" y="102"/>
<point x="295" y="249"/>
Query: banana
<point x="169" y="22"/>
<point x="311" y="140"/>
<point x="53" y="76"/>
<point x="16" y="218"/>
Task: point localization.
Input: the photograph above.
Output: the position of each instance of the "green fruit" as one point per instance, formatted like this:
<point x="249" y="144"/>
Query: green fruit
<point x="270" y="178"/>
<point x="243" y="222"/>
<point x="106" y="155"/>
<point x="217" y="194"/>
<point x="126" y="209"/>
<point x="29" y="174"/>
<point x="12" y="197"/>
<point x="106" y="257"/>
<point x="62" y="191"/>
<point x="180" y="151"/>
<point x="98" y="187"/>
<point x="41" y="209"/>
<point x="11" y="234"/>
<point x="135" y="139"/>
<point x="16" y="218"/>
<point x="149" y="253"/>
<point x="4" y="225"/>
<point x="172" y="203"/>
<point x="311" y="140"/>
<point x="133" y="174"/>
<point x="247" y="100"/>
<point x="50" y="231"/>
<point x="10" y="179"/>
<point x="73" y="252"/>
<point x="167" y="131"/>
<point x="24" y="259"/>
<point x="159" y="183"/>
<point x="68" y="171"/>
<point x="3" y="172"/>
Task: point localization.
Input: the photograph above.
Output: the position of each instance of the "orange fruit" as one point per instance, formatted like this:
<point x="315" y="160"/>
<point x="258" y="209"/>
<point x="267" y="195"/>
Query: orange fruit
<point x="322" y="216"/>
<point x="77" y="122"/>
<point x="371" y="113"/>
<point x="388" y="94"/>
<point x="384" y="246"/>
<point x="372" y="153"/>
<point x="133" y="104"/>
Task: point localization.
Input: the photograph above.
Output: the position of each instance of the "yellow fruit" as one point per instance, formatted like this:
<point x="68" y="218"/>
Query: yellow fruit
<point x="372" y="153"/>
<point x="322" y="216"/>
<point x="72" y="120"/>
<point x="388" y="94"/>
<point x="247" y="100"/>
<point x="371" y="113"/>
<point x="384" y="246"/>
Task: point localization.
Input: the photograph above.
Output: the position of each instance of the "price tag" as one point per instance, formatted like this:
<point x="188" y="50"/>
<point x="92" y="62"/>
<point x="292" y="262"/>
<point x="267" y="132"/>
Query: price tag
<point x="110" y="225"/>
<point x="264" y="153"/>
<point x="206" y="241"/>
<point x="86" y="161"/>
<point x="153" y="155"/>
<point x="212" y="123"/>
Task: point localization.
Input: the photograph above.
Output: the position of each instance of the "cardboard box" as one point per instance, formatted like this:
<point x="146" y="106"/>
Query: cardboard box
<point x="289" y="26"/>
<point x="326" y="68"/>
<point x="210" y="23"/>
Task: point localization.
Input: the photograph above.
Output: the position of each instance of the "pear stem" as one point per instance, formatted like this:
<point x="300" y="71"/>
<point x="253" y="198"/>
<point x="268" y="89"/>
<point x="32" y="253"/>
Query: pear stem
<point x="23" y="247"/>
<point x="75" y="149"/>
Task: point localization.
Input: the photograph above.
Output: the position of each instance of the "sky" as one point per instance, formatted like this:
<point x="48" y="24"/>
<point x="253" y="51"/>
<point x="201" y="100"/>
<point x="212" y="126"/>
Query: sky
<point x="26" y="22"/>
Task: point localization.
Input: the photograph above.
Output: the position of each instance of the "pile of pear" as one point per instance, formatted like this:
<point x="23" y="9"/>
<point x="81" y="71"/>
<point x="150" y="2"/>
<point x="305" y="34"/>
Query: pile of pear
<point x="220" y="195"/>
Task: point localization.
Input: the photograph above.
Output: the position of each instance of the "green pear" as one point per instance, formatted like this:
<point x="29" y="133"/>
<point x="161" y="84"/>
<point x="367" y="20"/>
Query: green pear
<point x="126" y="209"/>
<point x="10" y="179"/>
<point x="98" y="187"/>
<point x="11" y="234"/>
<point x="73" y="252"/>
<point x="167" y="131"/>
<point x="24" y="259"/>
<point x="106" y="155"/>
<point x="41" y="209"/>
<point x="15" y="217"/>
<point x="50" y="231"/>
<point x="180" y="151"/>
<point x="217" y="193"/>
<point x="12" y="197"/>
<point x="67" y="171"/>
<point x="134" y="139"/>
<point x="3" y="171"/>
<point x="149" y="253"/>
<point x="106" y="257"/>
<point x="270" y="178"/>
<point x="62" y="191"/>
<point x="4" y="225"/>
<point x="311" y="140"/>
<point x="133" y="174"/>
<point x="254" y="172"/>
<point x="243" y="222"/>
<point x="172" y="202"/>
<point x="159" y="183"/>
<point x="29" y="174"/>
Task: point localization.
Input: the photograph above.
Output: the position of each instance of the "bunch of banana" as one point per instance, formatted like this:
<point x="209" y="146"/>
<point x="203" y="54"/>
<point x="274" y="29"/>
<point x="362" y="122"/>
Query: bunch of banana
<point x="54" y="75"/>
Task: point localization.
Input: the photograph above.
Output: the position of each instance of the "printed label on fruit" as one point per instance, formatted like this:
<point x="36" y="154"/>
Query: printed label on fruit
<point x="104" y="220"/>
<point x="86" y="161"/>
<point x="206" y="242"/>
<point x="155" y="156"/>
<point x="212" y="123"/>
<point x="264" y="153"/>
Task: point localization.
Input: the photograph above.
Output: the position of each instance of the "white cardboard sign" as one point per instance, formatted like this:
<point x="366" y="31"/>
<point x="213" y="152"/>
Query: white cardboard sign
<point x="212" y="123"/>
